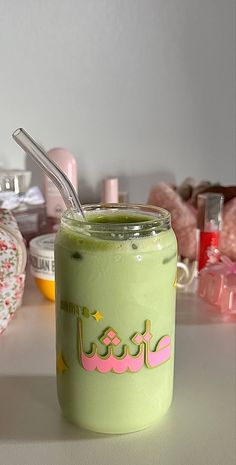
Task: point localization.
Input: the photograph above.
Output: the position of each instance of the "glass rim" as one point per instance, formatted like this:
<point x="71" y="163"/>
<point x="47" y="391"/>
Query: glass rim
<point x="159" y="217"/>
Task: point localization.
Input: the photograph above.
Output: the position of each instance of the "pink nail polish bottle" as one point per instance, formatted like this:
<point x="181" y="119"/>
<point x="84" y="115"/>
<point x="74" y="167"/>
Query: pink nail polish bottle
<point x="67" y="162"/>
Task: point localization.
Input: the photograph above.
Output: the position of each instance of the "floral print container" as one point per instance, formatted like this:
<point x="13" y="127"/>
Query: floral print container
<point x="12" y="267"/>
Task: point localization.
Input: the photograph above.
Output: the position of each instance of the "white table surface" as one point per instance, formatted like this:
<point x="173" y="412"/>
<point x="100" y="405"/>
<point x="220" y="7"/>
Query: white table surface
<point x="199" y="429"/>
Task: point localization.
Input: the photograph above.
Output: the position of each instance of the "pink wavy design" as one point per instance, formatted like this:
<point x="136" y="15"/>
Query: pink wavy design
<point x="131" y="363"/>
<point x="117" y="365"/>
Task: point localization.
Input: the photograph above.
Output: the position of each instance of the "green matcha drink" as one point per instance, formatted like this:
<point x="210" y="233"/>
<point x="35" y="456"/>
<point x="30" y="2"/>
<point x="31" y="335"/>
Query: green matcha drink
<point x="115" y="307"/>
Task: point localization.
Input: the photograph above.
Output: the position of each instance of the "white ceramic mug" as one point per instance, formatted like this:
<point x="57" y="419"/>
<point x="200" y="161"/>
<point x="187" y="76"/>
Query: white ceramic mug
<point x="185" y="274"/>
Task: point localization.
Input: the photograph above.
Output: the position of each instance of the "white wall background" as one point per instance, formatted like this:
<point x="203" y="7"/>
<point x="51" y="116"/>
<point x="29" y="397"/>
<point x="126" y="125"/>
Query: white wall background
<point x="131" y="87"/>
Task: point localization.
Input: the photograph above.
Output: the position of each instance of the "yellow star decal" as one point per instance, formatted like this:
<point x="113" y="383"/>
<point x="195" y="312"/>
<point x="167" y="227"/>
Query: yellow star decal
<point x="61" y="366"/>
<point x="175" y="282"/>
<point x="97" y="316"/>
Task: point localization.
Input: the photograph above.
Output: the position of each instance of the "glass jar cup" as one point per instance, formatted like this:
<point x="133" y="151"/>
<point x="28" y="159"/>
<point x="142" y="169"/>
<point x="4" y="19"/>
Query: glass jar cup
<point x="115" y="316"/>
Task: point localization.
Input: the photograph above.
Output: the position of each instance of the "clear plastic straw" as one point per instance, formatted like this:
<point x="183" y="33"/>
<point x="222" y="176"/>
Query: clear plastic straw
<point x="67" y="191"/>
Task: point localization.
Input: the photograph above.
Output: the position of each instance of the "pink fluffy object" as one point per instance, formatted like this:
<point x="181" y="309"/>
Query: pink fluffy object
<point x="184" y="221"/>
<point x="183" y="217"/>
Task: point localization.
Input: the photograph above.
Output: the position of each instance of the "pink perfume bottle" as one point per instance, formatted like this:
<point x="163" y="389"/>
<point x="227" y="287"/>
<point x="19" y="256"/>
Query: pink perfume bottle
<point x="228" y="301"/>
<point x="67" y="162"/>
<point x="217" y="285"/>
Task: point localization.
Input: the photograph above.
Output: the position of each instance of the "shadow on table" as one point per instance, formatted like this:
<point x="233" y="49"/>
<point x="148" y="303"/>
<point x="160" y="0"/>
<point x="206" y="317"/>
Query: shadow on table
<point x="29" y="411"/>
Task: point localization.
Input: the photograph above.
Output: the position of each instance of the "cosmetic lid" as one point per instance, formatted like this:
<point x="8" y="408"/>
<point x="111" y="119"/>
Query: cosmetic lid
<point x="210" y="207"/>
<point x="110" y="190"/>
<point x="42" y="256"/>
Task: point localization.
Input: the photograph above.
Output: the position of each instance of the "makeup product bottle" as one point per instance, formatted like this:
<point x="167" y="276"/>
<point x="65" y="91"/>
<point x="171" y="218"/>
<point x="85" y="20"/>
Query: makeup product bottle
<point x="110" y="191"/>
<point x="42" y="264"/>
<point x="67" y="162"/>
<point x="209" y="223"/>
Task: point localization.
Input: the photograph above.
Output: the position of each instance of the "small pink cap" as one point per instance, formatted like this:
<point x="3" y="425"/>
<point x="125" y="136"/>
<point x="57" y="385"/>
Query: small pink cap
<point x="110" y="190"/>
